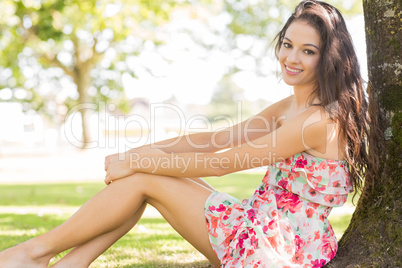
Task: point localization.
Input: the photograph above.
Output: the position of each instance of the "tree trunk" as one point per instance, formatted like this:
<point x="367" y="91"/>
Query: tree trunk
<point x="373" y="238"/>
<point x="83" y="82"/>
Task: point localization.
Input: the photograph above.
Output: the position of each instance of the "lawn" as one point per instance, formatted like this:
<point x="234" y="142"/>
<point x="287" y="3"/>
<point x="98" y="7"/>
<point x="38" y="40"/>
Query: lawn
<point x="152" y="243"/>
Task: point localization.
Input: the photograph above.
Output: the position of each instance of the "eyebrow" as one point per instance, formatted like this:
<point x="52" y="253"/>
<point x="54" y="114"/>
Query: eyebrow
<point x="311" y="45"/>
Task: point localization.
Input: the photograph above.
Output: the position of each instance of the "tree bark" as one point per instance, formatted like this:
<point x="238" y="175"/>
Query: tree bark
<point x="373" y="238"/>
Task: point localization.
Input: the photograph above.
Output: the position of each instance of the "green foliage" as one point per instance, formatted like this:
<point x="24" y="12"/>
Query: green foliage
<point x="259" y="18"/>
<point x="43" y="41"/>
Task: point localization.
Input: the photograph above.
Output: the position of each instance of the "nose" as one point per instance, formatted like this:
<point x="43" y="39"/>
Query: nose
<point x="293" y="57"/>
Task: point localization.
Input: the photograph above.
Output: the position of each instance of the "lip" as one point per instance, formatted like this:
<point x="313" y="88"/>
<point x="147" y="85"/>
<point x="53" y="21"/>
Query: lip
<point x="288" y="70"/>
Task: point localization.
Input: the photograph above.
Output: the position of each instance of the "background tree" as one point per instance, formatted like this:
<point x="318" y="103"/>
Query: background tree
<point x="84" y="44"/>
<point x="373" y="238"/>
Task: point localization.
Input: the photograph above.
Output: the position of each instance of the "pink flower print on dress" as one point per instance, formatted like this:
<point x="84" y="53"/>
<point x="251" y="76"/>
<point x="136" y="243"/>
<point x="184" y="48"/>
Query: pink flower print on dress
<point x="301" y="163"/>
<point x="251" y="215"/>
<point x="288" y="161"/>
<point x="312" y="192"/>
<point x="272" y="224"/>
<point x="318" y="263"/>
<point x="299" y="243"/>
<point x="316" y="235"/>
<point x="317" y="179"/>
<point x="332" y="168"/>
<point x="274" y="213"/>
<point x="261" y="191"/>
<point x="320" y="189"/>
<point x="266" y="176"/>
<point x="328" y="246"/>
<point x="329" y="199"/>
<point x="310" y="212"/>
<point x="298" y="258"/>
<point x="221" y="208"/>
<point x="323" y="165"/>
<point x="283" y="184"/>
<point x="322" y="217"/>
<point x="240" y="244"/>
<point x="228" y="211"/>
<point x="288" y="201"/>
<point x="291" y="178"/>
<point x="214" y="225"/>
<point x="273" y="241"/>
<point x="254" y="241"/>
<point x="256" y="264"/>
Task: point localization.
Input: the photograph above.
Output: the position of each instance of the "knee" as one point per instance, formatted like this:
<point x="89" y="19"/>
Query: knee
<point x="140" y="182"/>
<point x="149" y="184"/>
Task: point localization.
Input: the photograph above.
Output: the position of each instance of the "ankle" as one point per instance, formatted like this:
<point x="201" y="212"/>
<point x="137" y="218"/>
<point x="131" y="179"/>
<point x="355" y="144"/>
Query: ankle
<point x="37" y="252"/>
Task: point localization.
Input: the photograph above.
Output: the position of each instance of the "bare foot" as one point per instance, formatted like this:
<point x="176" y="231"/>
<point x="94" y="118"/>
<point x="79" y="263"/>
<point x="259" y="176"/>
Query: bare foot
<point x="20" y="257"/>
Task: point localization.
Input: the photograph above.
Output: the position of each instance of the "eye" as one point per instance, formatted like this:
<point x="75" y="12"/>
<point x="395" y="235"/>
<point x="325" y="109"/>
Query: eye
<point x="287" y="45"/>
<point x="309" y="52"/>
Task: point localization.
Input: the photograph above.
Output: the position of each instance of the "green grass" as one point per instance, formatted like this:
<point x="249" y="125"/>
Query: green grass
<point x="152" y="243"/>
<point x="60" y="194"/>
<point x="241" y="185"/>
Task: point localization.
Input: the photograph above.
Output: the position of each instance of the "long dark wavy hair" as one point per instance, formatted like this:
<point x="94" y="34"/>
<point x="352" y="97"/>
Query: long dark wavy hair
<point x="339" y="86"/>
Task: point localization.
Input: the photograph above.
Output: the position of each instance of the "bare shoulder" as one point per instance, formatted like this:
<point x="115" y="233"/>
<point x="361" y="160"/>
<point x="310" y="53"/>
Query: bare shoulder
<point x="316" y="114"/>
<point x="277" y="112"/>
<point x="270" y="116"/>
<point x="284" y="105"/>
<point x="322" y="132"/>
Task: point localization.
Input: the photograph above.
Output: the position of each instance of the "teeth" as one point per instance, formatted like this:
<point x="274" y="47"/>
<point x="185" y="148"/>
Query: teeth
<point x="293" y="70"/>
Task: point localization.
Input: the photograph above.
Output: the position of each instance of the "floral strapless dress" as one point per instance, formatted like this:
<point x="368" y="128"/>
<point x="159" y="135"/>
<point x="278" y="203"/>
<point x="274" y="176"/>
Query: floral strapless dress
<point x="284" y="223"/>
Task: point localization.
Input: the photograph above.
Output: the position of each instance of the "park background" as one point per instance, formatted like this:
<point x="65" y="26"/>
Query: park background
<point x="158" y="69"/>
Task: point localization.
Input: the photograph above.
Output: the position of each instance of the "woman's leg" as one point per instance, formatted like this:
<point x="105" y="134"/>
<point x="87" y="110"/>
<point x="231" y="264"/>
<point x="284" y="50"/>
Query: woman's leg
<point x="84" y="255"/>
<point x="180" y="201"/>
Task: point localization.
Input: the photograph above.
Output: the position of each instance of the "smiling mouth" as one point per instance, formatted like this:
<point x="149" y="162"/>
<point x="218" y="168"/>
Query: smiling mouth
<point x="293" y="70"/>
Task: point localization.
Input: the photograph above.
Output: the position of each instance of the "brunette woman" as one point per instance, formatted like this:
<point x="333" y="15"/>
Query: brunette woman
<point x="312" y="142"/>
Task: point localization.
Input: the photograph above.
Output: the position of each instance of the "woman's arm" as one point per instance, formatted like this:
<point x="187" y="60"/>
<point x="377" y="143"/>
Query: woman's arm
<point x="248" y="130"/>
<point x="307" y="131"/>
<point x="211" y="142"/>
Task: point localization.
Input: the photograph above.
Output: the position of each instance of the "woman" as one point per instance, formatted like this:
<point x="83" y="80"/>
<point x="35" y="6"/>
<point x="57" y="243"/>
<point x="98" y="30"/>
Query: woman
<point x="312" y="141"/>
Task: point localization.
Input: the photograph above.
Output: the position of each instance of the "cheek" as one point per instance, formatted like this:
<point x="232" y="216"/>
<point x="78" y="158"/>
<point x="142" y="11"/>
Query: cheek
<point x="281" y="56"/>
<point x="313" y="65"/>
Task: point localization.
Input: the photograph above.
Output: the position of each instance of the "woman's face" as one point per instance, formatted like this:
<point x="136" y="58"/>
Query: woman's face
<point x="299" y="55"/>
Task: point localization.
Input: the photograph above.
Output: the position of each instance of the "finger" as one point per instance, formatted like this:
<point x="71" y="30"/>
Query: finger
<point x="106" y="162"/>
<point x="107" y="176"/>
<point x="108" y="180"/>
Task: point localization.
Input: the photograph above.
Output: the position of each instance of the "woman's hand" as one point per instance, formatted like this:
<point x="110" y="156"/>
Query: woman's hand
<point x="117" y="166"/>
